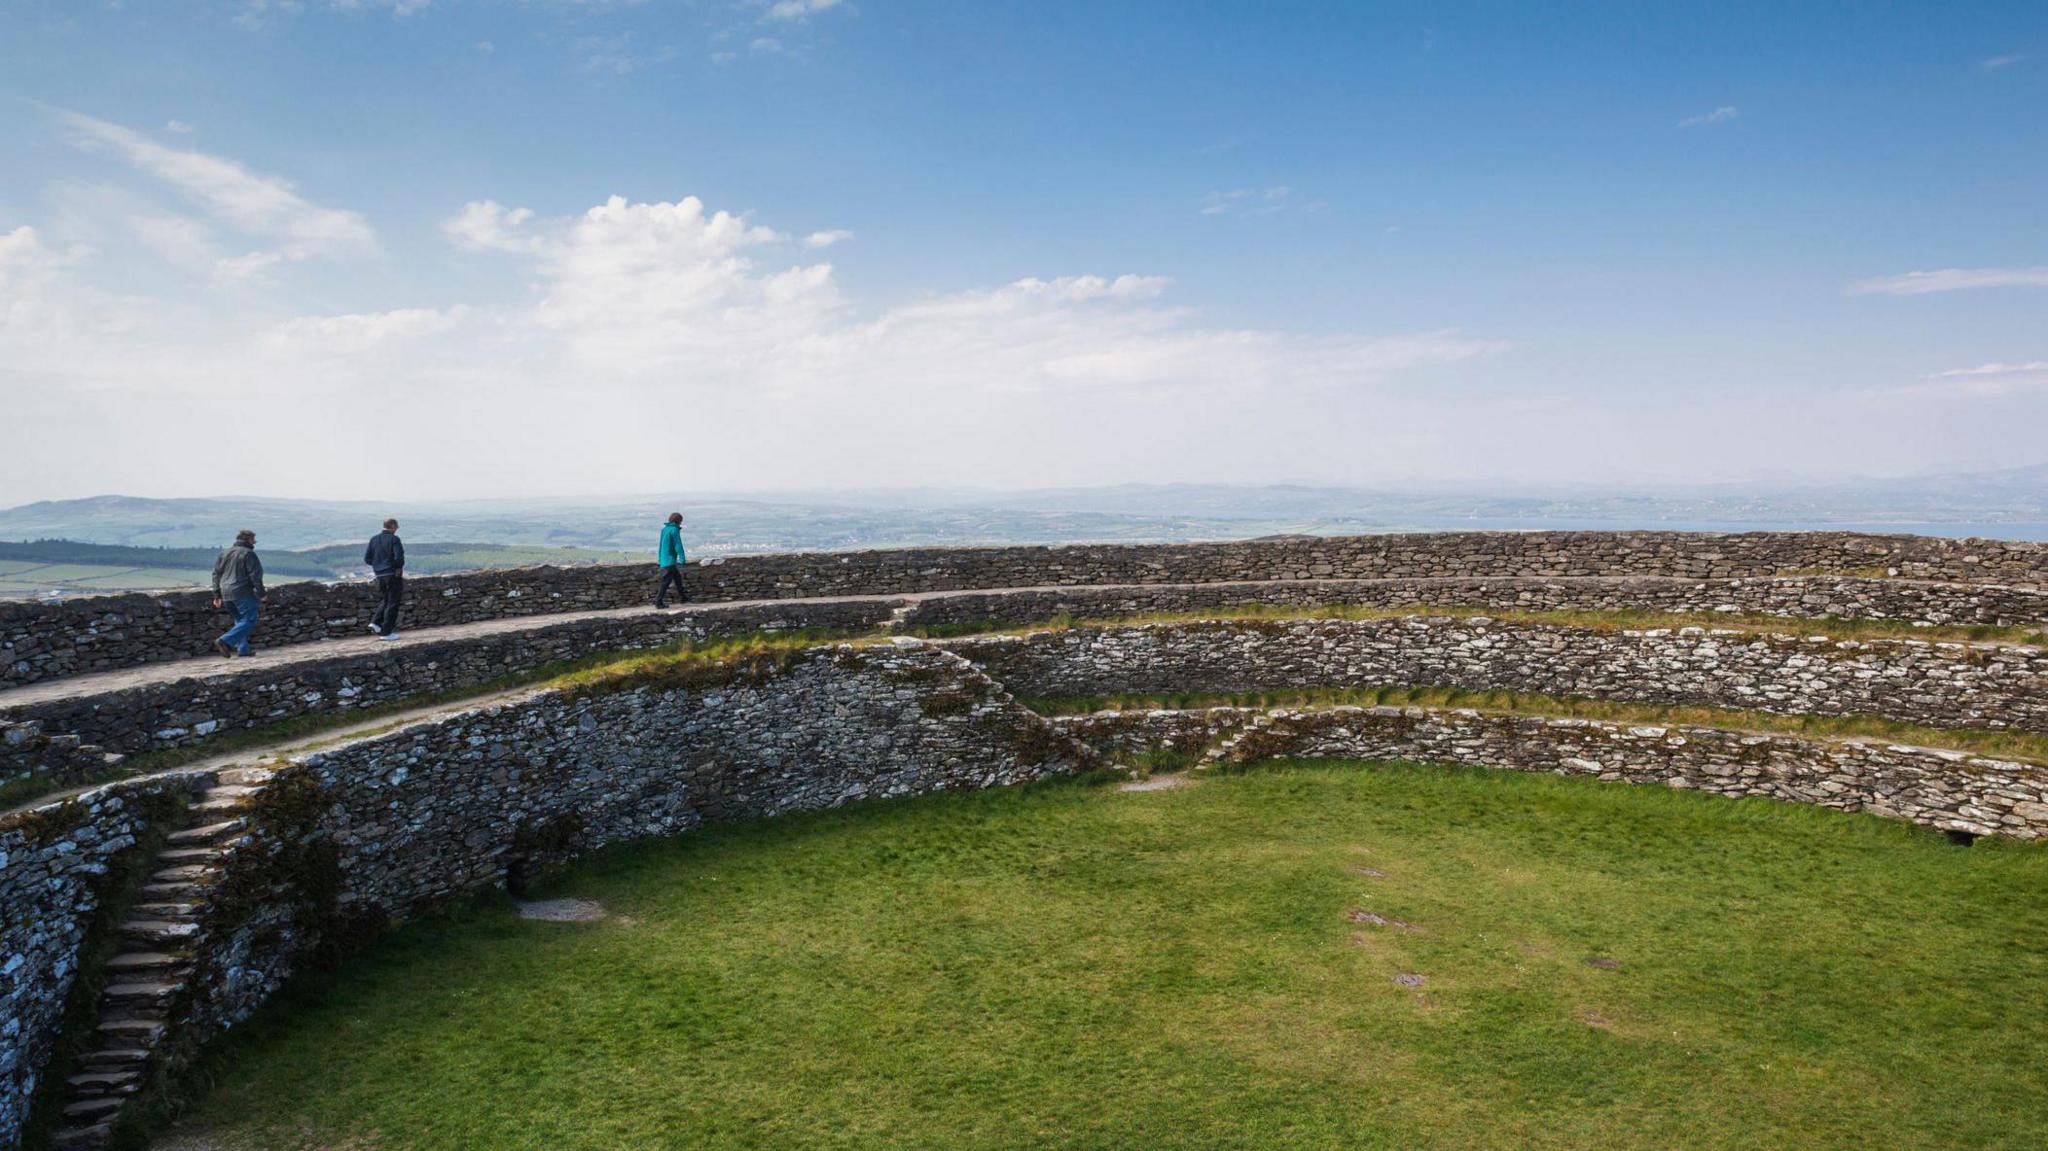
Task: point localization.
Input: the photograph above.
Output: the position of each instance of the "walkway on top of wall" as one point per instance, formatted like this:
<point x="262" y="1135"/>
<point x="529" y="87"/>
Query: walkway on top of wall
<point x="148" y="674"/>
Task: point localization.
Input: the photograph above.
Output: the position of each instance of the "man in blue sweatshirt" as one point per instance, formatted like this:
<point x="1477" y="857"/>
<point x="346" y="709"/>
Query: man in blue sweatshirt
<point x="669" y="554"/>
<point x="386" y="557"/>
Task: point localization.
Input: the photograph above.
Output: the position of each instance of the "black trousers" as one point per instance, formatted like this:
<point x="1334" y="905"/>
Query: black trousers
<point x="392" y="589"/>
<point x="673" y="573"/>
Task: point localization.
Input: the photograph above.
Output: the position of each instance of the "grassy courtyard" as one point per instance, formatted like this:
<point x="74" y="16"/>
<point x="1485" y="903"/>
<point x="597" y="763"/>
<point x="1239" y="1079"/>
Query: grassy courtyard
<point x="1232" y="964"/>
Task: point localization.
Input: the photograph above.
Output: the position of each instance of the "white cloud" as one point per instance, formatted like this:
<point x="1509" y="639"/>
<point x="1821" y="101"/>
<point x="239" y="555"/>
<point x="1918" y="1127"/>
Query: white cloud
<point x="827" y="238"/>
<point x="178" y="126"/>
<point x="176" y="239"/>
<point x="1251" y="201"/>
<point x="1951" y="280"/>
<point x="257" y="206"/>
<point x="1983" y="382"/>
<point x="1995" y="369"/>
<point x="798" y="9"/>
<point x="355" y="334"/>
<point x="486" y="225"/>
<point x="766" y="45"/>
<point x="1721" y="115"/>
<point x="622" y="55"/>
<point x="1994" y="63"/>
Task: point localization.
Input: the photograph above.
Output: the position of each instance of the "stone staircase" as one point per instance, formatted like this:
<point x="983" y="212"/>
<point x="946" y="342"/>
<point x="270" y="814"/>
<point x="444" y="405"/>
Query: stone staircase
<point x="147" y="977"/>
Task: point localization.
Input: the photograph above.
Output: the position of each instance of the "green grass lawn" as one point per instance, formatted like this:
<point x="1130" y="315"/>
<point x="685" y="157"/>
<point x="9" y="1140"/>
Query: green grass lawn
<point x="1072" y="966"/>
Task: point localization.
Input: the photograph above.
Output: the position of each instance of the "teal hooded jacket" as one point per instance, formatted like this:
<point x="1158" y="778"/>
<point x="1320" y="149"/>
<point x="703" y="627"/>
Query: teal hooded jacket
<point x="670" y="551"/>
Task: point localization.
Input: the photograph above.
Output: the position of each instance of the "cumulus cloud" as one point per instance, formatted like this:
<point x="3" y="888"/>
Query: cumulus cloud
<point x="1950" y="280"/>
<point x="260" y="207"/>
<point x="1721" y="115"/>
<point x="827" y="238"/>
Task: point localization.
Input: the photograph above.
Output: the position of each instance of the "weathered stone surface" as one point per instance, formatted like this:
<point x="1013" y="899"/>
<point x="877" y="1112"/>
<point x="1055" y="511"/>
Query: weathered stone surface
<point x="1937" y="684"/>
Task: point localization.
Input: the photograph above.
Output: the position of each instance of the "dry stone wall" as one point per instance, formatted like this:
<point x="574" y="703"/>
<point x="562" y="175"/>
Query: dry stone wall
<point x="43" y="640"/>
<point x="1944" y="789"/>
<point x="1938" y="684"/>
<point x="235" y="696"/>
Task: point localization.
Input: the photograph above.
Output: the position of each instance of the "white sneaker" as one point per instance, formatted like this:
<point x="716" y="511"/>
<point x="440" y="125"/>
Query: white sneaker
<point x="375" y="630"/>
<point x="393" y="635"/>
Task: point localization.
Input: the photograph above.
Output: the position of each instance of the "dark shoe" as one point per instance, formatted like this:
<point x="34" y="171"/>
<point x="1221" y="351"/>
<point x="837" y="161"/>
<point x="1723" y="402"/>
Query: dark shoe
<point x="224" y="649"/>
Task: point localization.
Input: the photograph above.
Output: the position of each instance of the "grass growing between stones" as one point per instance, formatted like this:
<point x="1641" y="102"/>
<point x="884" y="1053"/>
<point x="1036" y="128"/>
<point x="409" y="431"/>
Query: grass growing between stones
<point x="2022" y="745"/>
<point x="1068" y="966"/>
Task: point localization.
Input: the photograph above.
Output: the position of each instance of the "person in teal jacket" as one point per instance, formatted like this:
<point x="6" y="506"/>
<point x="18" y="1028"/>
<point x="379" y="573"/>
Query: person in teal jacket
<point x="669" y="554"/>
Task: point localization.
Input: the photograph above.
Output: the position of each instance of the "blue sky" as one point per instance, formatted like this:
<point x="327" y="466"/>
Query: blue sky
<point x="1014" y="245"/>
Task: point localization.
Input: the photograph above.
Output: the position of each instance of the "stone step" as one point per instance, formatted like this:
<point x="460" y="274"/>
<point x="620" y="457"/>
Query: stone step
<point x="167" y="910"/>
<point x="174" y="891"/>
<point x="82" y="1138"/>
<point x="211" y="833"/>
<point x="90" y="1109"/>
<point x="158" y="930"/>
<point x="106" y="1082"/>
<point x="107" y="1058"/>
<point x="142" y="990"/>
<point x="224" y="805"/>
<point x="180" y="856"/>
<point x="185" y="873"/>
<point x="142" y="1026"/>
<point x="246" y="776"/>
<point x="134" y="961"/>
<point x="230" y="791"/>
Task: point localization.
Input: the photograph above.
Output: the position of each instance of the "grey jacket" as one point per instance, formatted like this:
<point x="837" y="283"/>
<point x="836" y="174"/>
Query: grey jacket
<point x="238" y="573"/>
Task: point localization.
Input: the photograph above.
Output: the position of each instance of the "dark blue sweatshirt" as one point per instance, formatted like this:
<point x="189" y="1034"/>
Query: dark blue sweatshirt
<point x="385" y="555"/>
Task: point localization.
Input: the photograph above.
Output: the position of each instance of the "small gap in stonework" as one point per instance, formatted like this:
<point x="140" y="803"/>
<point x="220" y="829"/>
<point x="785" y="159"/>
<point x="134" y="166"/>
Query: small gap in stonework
<point x="1961" y="838"/>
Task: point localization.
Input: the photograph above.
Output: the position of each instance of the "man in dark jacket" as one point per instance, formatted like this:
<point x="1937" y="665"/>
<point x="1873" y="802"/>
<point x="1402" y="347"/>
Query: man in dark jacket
<point x="238" y="583"/>
<point x="386" y="557"/>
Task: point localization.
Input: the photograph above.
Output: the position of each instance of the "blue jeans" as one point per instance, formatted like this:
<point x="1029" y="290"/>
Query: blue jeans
<point x="246" y="610"/>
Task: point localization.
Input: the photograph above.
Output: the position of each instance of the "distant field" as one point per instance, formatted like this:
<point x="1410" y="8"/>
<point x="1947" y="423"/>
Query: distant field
<point x="42" y="566"/>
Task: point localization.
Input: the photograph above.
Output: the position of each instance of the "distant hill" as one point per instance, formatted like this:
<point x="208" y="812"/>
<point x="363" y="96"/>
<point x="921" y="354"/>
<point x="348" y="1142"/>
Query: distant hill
<point x="40" y="567"/>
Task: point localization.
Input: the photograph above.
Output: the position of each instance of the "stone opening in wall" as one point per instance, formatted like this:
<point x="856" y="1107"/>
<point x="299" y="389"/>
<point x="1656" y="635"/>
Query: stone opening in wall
<point x="1962" y="838"/>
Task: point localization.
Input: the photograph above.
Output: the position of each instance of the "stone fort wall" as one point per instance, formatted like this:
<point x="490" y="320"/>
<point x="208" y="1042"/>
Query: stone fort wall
<point x="44" y="640"/>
